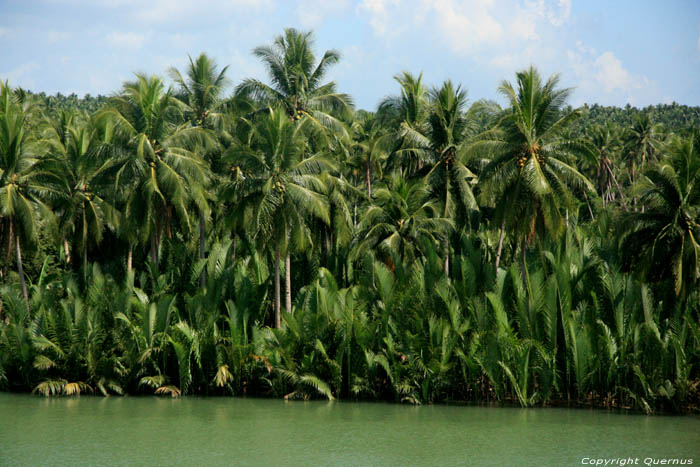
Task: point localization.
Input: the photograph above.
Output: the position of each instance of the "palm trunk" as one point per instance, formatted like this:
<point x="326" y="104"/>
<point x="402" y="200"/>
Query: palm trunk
<point x="10" y="241"/>
<point x="202" y="253"/>
<point x="278" y="303"/>
<point x="168" y="218"/>
<point x="447" y="255"/>
<point x="66" y="250"/>
<point x="20" y="270"/>
<point x="368" y="178"/>
<point x="634" y="199"/>
<point x="523" y="264"/>
<point x="500" y="243"/>
<point x="129" y="259"/>
<point x="288" y="283"/>
<point x="154" y="249"/>
<point x="601" y="180"/>
<point x="447" y="235"/>
<point x="617" y="184"/>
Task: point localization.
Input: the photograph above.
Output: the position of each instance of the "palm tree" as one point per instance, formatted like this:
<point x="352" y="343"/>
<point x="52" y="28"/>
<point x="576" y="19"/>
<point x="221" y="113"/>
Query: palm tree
<point x="296" y="81"/>
<point x="449" y="175"/>
<point x="664" y="240"/>
<point x="161" y="174"/>
<point x="22" y="184"/>
<point x="78" y="151"/>
<point x="403" y="220"/>
<point x="641" y="140"/>
<point x="280" y="188"/>
<point x="406" y="116"/>
<point x="201" y="91"/>
<point x="531" y="170"/>
<point x="370" y="147"/>
<point x="603" y="144"/>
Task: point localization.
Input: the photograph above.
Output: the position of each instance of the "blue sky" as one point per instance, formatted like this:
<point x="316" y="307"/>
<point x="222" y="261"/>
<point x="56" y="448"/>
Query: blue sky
<point x="613" y="52"/>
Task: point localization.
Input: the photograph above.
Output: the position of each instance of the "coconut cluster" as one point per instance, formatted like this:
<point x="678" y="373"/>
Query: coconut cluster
<point x="528" y="152"/>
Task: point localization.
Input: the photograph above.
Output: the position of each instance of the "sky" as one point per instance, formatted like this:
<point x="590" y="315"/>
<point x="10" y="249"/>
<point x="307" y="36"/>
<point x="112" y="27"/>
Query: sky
<point x="611" y="52"/>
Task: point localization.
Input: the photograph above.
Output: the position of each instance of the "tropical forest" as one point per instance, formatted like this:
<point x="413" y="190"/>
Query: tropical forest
<point x="191" y="235"/>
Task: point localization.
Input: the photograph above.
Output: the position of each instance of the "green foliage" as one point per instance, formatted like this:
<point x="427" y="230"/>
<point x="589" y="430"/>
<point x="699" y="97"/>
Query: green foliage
<point x="432" y="251"/>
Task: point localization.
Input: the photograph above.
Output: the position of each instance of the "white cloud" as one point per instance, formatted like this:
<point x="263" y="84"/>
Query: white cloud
<point x="557" y="12"/>
<point x="129" y="40"/>
<point x="612" y="76"/>
<point x="562" y="14"/>
<point x="4" y="31"/>
<point x="523" y="26"/>
<point x="470" y="26"/>
<point x="604" y="76"/>
<point x="465" y="25"/>
<point x="379" y="16"/>
<point x="311" y="13"/>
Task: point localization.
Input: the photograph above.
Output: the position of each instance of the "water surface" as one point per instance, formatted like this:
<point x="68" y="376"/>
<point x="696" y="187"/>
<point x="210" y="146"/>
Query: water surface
<point x="226" y="431"/>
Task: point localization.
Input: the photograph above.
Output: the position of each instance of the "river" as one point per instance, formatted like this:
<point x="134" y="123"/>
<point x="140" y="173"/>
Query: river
<point x="234" y="431"/>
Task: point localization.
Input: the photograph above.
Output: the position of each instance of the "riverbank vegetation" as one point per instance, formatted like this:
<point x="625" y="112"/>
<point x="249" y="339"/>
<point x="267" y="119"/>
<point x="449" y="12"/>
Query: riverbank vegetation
<point x="266" y="238"/>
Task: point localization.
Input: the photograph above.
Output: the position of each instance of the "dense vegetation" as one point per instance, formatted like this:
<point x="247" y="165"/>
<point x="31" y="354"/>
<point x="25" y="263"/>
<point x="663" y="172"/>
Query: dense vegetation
<point x="433" y="250"/>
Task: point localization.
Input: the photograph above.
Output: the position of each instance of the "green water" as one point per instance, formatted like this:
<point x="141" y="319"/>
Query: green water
<point x="227" y="431"/>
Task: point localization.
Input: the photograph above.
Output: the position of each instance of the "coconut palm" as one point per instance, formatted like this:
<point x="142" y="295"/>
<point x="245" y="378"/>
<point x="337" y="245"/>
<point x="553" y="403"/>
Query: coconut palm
<point x="665" y="238"/>
<point x="406" y="117"/>
<point x="640" y="141"/>
<point x="161" y="172"/>
<point x="22" y="183"/>
<point x="449" y="177"/>
<point x="280" y="188"/>
<point x="401" y="222"/>
<point x="370" y="147"/>
<point x="603" y="144"/>
<point x="532" y="168"/>
<point x="201" y="90"/>
<point x="79" y="150"/>
<point x="343" y="199"/>
<point x="296" y="81"/>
